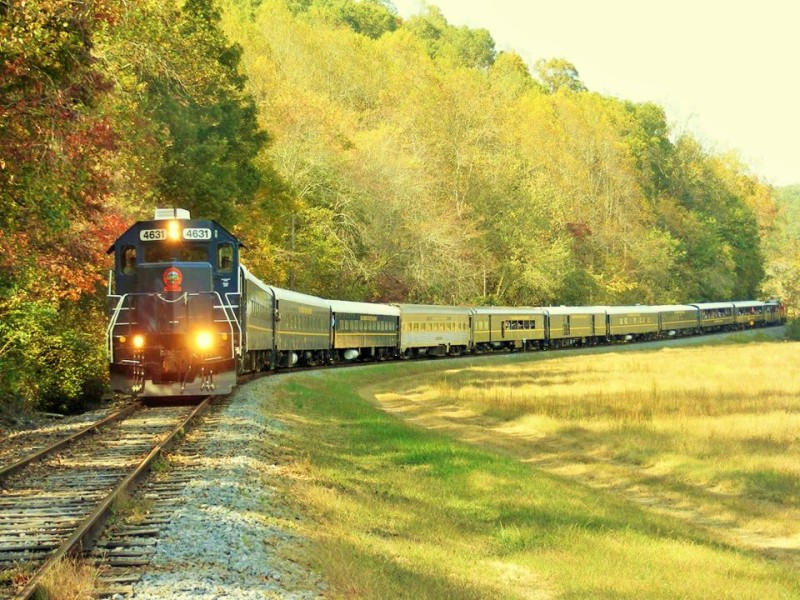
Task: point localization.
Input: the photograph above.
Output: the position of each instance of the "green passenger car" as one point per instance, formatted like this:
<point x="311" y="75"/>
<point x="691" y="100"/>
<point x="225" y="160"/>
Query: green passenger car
<point x="677" y="320"/>
<point x="631" y="323"/>
<point x="302" y="328"/>
<point x="496" y="328"/>
<point x="567" y="325"/>
<point x="716" y="316"/>
<point x="364" y="330"/>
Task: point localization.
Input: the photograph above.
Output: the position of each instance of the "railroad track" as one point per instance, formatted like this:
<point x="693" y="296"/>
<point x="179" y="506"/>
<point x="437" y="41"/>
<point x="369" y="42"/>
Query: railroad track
<point x="125" y="549"/>
<point x="25" y="448"/>
<point x="56" y="505"/>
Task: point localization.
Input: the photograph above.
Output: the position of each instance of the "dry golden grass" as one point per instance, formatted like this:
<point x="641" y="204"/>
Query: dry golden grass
<point x="707" y="433"/>
<point x="706" y="381"/>
<point x="70" y="579"/>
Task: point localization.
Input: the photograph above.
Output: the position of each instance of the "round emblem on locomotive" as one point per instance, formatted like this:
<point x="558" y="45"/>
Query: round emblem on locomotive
<point x="172" y="279"/>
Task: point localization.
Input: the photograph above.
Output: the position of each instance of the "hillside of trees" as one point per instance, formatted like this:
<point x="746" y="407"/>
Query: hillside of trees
<point x="359" y="156"/>
<point x="783" y="248"/>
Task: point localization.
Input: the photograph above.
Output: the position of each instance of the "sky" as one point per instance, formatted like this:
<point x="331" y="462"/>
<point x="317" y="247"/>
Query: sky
<point x="726" y="71"/>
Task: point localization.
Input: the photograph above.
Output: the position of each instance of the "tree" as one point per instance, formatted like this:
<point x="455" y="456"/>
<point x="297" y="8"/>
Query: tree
<point x="559" y="74"/>
<point x="212" y="134"/>
<point x="371" y="18"/>
<point x="55" y="222"/>
<point x="456" y="46"/>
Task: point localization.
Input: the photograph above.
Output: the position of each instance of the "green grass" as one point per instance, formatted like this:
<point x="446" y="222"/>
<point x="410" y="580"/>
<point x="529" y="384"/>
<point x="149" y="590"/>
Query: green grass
<point x="401" y="511"/>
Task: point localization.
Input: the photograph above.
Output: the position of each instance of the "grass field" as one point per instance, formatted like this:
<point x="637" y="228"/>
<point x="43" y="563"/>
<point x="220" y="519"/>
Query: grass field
<point x="670" y="473"/>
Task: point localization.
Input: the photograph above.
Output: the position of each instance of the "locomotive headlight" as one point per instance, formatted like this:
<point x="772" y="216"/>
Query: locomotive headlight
<point x="204" y="341"/>
<point x="174" y="231"/>
<point x="138" y="341"/>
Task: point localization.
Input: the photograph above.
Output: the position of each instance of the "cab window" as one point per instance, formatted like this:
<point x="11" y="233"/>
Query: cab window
<point x="128" y="260"/>
<point x="177" y="252"/>
<point x="225" y="258"/>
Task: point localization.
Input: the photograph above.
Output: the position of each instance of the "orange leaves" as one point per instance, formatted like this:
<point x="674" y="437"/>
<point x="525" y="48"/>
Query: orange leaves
<point x="60" y="265"/>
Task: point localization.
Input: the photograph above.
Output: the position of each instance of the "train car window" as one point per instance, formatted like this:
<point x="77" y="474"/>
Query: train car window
<point x="128" y="260"/>
<point x="183" y="253"/>
<point x="225" y="257"/>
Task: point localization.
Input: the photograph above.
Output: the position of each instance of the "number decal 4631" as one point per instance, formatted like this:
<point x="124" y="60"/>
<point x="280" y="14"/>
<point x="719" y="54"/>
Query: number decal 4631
<point x="152" y="235"/>
<point x="197" y="233"/>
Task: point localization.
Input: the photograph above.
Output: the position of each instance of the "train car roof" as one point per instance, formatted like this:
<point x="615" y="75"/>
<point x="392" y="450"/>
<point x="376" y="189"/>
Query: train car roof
<point x="366" y="308"/>
<point x="667" y="307"/>
<point x="432" y="309"/>
<point x="748" y="303"/>
<point x="575" y="310"/>
<point x="507" y="310"/>
<point x="713" y="305"/>
<point x="619" y="310"/>
<point x="282" y="294"/>
<point x="292" y="296"/>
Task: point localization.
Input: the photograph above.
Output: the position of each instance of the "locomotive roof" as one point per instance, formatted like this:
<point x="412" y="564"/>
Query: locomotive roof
<point x="154" y="223"/>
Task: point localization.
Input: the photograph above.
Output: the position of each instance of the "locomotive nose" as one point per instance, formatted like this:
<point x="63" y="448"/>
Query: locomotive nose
<point x="174" y="277"/>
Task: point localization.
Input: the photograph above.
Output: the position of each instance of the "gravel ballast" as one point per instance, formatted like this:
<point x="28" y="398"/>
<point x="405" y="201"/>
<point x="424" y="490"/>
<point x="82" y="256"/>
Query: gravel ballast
<point x="226" y="539"/>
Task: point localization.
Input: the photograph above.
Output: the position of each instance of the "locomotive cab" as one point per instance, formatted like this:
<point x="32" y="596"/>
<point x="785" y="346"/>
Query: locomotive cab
<point x="174" y="326"/>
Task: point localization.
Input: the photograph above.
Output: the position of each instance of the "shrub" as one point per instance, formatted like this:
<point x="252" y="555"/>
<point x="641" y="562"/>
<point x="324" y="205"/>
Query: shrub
<point x="53" y="357"/>
<point x="793" y="329"/>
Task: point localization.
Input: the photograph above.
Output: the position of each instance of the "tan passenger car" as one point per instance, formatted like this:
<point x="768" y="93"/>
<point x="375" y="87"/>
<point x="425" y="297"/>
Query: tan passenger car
<point x="433" y="330"/>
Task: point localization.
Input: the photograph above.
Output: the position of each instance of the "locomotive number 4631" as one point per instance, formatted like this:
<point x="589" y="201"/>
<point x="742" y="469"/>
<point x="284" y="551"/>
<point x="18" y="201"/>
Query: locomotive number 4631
<point x="152" y="235"/>
<point x="197" y="233"/>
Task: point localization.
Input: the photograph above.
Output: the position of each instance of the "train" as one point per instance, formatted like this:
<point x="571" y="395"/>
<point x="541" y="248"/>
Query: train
<point x="186" y="317"/>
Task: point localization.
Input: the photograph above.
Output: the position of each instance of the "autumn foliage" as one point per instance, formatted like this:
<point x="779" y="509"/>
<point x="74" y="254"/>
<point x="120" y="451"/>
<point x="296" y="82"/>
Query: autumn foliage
<point x="358" y="155"/>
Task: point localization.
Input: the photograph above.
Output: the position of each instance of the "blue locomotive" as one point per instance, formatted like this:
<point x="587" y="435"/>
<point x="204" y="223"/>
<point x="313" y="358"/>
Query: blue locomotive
<point x="174" y="324"/>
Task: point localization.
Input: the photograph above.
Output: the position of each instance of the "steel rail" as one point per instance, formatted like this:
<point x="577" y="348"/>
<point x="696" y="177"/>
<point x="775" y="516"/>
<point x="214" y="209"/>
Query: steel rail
<point x="88" y="531"/>
<point x="14" y="467"/>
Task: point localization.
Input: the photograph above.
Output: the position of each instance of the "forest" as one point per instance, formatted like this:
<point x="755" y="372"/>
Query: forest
<point x="359" y="156"/>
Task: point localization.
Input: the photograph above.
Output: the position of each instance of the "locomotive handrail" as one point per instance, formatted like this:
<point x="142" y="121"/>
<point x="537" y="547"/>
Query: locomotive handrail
<point x="112" y="323"/>
<point x="235" y="320"/>
<point x="229" y="321"/>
